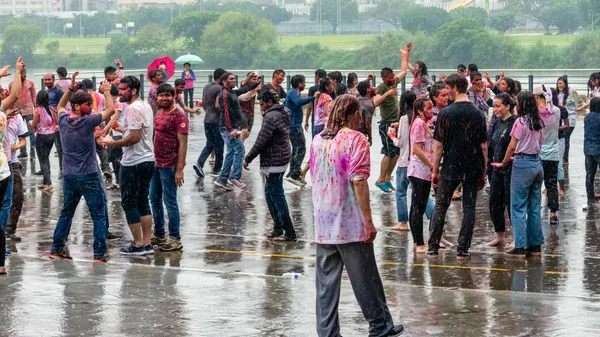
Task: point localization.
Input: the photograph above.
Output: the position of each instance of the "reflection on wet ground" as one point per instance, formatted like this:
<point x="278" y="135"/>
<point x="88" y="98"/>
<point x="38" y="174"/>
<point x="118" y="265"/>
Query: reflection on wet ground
<point x="227" y="280"/>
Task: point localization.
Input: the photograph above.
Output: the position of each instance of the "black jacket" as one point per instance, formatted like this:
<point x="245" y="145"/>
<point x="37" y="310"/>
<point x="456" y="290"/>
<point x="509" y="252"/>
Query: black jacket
<point x="230" y="110"/>
<point x="273" y="140"/>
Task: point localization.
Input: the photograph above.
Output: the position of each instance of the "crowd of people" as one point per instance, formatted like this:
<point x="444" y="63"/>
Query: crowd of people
<point x="446" y="139"/>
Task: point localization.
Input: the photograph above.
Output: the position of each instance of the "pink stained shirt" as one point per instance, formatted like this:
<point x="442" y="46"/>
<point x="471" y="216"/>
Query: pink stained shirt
<point x="420" y="132"/>
<point x="46" y="125"/>
<point x="26" y="101"/>
<point x="334" y="165"/>
<point x="530" y="142"/>
<point x="321" y="115"/>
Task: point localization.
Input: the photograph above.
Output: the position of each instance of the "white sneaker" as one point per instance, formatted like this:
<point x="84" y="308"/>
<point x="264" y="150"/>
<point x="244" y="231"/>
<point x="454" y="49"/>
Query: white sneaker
<point x="237" y="183"/>
<point x="226" y="187"/>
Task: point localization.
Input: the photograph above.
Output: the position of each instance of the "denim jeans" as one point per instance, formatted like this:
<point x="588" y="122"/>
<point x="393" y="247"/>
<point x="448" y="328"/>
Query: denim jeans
<point x="402" y="183"/>
<point x="43" y="146"/>
<point x="317" y="129"/>
<point x="278" y="206"/>
<point x="526" y="200"/>
<point x="135" y="187"/>
<point x="591" y="166"/>
<point x="214" y="141"/>
<point x="163" y="187"/>
<point x="232" y="165"/>
<point x="188" y="97"/>
<point x="3" y="187"/>
<point x="499" y="199"/>
<point x="90" y="187"/>
<point x="442" y="202"/>
<point x="550" y="181"/>
<point x="7" y="203"/>
<point x="298" y="152"/>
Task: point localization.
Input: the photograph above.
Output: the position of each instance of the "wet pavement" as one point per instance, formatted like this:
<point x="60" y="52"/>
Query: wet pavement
<point x="227" y="280"/>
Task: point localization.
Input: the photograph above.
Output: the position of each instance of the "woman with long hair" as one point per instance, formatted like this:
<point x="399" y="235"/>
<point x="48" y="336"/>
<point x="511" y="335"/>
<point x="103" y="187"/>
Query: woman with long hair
<point x="499" y="198"/>
<point x="563" y="125"/>
<point x="594" y="86"/>
<point x="421" y="78"/>
<point x="526" y="178"/>
<point x="45" y="126"/>
<point x="351" y="83"/>
<point x="569" y="99"/>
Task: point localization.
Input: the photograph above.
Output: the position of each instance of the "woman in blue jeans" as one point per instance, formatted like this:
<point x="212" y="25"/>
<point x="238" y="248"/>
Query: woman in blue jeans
<point x="527" y="177"/>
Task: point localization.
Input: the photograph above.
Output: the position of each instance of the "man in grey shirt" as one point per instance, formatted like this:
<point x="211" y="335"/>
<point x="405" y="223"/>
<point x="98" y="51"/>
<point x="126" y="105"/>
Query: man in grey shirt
<point x="212" y="127"/>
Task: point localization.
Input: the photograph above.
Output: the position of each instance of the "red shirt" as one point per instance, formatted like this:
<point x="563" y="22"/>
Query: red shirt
<point x="166" y="145"/>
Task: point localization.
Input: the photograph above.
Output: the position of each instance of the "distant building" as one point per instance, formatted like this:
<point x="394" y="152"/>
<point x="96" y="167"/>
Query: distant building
<point x="139" y="3"/>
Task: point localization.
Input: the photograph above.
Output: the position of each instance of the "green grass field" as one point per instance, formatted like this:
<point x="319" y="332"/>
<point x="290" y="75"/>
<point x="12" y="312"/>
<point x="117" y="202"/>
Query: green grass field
<point x="343" y="42"/>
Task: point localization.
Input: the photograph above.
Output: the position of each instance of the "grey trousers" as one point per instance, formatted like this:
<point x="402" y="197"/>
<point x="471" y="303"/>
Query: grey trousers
<point x="359" y="259"/>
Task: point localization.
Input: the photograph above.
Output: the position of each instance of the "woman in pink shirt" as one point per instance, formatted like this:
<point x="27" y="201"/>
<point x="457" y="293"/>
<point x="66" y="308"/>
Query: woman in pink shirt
<point x="421" y="144"/>
<point x="340" y="166"/>
<point x="44" y="124"/>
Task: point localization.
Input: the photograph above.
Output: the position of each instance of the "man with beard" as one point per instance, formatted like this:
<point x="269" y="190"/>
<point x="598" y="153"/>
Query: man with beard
<point x="55" y="93"/>
<point x="81" y="174"/>
<point x="137" y="165"/>
<point x="170" y="149"/>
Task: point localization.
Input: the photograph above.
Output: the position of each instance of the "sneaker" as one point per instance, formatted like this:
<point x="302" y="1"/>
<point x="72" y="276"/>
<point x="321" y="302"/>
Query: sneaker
<point x="112" y="236"/>
<point x="390" y="185"/>
<point x="534" y="250"/>
<point x="158" y="241"/>
<point x="62" y="255"/>
<point x="38" y="173"/>
<point x="237" y="183"/>
<point x="554" y="219"/>
<point x="13" y="237"/>
<point x="100" y="259"/>
<point x="149" y="249"/>
<point x="172" y="244"/>
<point x="133" y="250"/>
<point x="461" y="254"/>
<point x="199" y="171"/>
<point x="384" y="187"/>
<point x="295" y="181"/>
<point x="215" y="174"/>
<point x="107" y="175"/>
<point x="397" y="330"/>
<point x="7" y="252"/>
<point x="432" y="251"/>
<point x="516" y="252"/>
<point x="23" y="155"/>
<point x="226" y="187"/>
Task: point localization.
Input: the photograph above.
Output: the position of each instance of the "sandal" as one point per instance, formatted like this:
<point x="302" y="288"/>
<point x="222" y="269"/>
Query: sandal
<point x="48" y="188"/>
<point x="273" y="235"/>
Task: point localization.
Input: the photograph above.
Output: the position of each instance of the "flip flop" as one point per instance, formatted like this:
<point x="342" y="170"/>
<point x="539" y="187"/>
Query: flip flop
<point x="273" y="235"/>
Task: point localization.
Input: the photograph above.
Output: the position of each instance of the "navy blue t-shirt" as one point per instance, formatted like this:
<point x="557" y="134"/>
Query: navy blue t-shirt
<point x="78" y="143"/>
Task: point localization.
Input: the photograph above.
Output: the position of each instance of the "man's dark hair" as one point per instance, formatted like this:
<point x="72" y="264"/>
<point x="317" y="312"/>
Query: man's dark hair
<point x="385" y="72"/>
<point x="296" y="80"/>
<point x="165" y="88"/>
<point x="218" y="73"/>
<point x="362" y="87"/>
<point x="277" y="72"/>
<point x="114" y="90"/>
<point x="336" y="76"/>
<point x="80" y="97"/>
<point x="473" y="67"/>
<point x="461" y="67"/>
<point x="434" y="90"/>
<point x="179" y="81"/>
<point x="109" y="70"/>
<point x="153" y="73"/>
<point x="132" y="82"/>
<point x="269" y="96"/>
<point x="224" y="77"/>
<point x="595" y="104"/>
<point x="320" y="73"/>
<point x="474" y="74"/>
<point x="61" y="71"/>
<point x="89" y="85"/>
<point x="456" y="81"/>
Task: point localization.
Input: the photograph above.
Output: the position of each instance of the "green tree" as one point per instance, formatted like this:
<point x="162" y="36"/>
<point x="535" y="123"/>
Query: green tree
<point x="152" y="39"/>
<point x="235" y="40"/>
<point x="191" y="25"/>
<point x="541" y="54"/>
<point x="503" y="21"/>
<point x="121" y="47"/>
<point x="20" y="40"/>
<point x="566" y="16"/>
<point x="52" y="47"/>
<point x="272" y="13"/>
<point x="390" y="11"/>
<point x="476" y="13"/>
<point x="538" y="10"/>
<point x="425" y="19"/>
<point x="590" y="12"/>
<point x="329" y="12"/>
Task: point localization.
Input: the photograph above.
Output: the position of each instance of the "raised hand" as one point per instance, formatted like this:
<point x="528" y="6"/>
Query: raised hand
<point x="118" y="63"/>
<point x="4" y="71"/>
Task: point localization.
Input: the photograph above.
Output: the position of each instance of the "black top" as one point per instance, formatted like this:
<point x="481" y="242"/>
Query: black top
<point x="461" y="127"/>
<point x="564" y="113"/>
<point x="279" y="90"/>
<point x="498" y="143"/>
<point x="273" y="140"/>
<point x="311" y="93"/>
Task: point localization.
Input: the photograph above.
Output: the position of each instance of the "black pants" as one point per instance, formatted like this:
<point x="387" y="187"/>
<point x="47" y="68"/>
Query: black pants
<point x="188" y="97"/>
<point x="442" y="202"/>
<point x="3" y="187"/>
<point x="568" y="133"/>
<point x="418" y="203"/>
<point x="591" y="167"/>
<point x="103" y="155"/>
<point x="17" y="202"/>
<point x="43" y="147"/>
<point x="500" y="198"/>
<point x="115" y="154"/>
<point x="298" y="152"/>
<point x="58" y="145"/>
<point x="551" y="183"/>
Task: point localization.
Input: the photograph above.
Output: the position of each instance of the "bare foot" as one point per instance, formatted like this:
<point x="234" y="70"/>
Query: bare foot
<point x="446" y="243"/>
<point x="41" y="187"/>
<point x="457" y="196"/>
<point x="497" y="243"/>
<point x="403" y="227"/>
<point x="421" y="249"/>
<point x="2" y="270"/>
<point x="562" y="192"/>
<point x="511" y="246"/>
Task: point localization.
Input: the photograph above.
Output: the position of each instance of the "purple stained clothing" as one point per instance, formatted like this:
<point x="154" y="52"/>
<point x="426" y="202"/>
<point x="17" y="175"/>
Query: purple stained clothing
<point x="78" y="143"/>
<point x="334" y="165"/>
<point x="530" y="142"/>
<point x="152" y="98"/>
<point x="46" y="124"/>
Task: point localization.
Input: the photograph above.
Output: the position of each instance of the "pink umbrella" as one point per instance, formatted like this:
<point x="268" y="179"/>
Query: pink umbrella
<point x="170" y="69"/>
